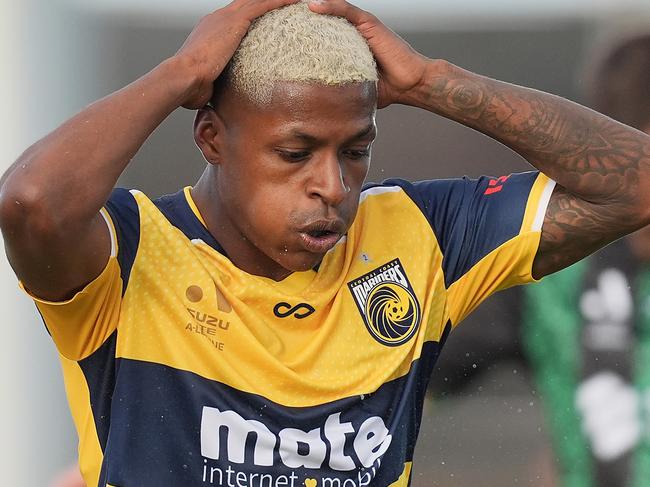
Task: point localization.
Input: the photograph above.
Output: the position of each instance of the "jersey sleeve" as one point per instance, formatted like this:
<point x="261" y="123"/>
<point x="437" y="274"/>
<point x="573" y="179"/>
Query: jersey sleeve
<point x="488" y="230"/>
<point x="80" y="325"/>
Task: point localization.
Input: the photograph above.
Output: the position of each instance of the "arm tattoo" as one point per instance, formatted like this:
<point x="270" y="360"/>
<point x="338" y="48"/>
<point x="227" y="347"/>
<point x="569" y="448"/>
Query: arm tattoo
<point x="602" y="167"/>
<point x="574" y="228"/>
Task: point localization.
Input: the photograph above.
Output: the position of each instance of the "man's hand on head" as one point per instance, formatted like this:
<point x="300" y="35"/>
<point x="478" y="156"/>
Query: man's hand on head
<point x="214" y="40"/>
<point x="401" y="68"/>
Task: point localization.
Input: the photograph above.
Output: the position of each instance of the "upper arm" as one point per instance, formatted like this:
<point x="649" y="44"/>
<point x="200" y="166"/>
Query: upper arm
<point x="55" y="260"/>
<point x="575" y="228"/>
<point x="80" y="323"/>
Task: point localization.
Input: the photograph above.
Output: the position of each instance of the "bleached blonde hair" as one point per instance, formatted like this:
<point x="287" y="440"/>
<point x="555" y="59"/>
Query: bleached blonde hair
<point x="297" y="45"/>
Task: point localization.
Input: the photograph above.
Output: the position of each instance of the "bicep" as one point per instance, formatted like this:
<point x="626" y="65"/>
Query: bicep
<point x="573" y="229"/>
<point x="57" y="263"/>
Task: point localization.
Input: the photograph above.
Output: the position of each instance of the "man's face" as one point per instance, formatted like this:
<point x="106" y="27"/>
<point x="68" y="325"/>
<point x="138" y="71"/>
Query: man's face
<point x="290" y="173"/>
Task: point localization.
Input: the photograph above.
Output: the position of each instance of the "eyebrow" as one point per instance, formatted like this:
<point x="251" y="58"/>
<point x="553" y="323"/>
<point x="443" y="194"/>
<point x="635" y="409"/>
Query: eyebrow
<point x="367" y="131"/>
<point x="311" y="139"/>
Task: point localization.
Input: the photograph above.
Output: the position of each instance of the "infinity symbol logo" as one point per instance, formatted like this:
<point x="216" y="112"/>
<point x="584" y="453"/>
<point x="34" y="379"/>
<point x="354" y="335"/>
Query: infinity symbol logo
<point x="282" y="310"/>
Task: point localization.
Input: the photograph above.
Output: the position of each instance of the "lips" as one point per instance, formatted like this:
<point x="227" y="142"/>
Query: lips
<point x="319" y="237"/>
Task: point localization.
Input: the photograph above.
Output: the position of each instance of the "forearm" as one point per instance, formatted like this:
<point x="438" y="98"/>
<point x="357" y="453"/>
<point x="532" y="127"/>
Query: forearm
<point x="55" y="238"/>
<point x="592" y="156"/>
<point x="74" y="168"/>
<point x="602" y="167"/>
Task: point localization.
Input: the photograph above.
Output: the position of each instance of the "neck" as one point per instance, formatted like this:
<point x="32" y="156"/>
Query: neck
<point x="241" y="251"/>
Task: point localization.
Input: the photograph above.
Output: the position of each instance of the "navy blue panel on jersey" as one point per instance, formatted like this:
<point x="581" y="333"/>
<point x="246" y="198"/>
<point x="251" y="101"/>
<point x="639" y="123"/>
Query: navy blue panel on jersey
<point x="157" y="428"/>
<point x="470" y="217"/>
<point x="123" y="209"/>
<point x="179" y="213"/>
<point x="99" y="372"/>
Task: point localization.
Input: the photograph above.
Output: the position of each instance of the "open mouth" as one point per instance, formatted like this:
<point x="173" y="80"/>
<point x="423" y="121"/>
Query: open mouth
<point x="319" y="242"/>
<point x="320" y="233"/>
<point x="320" y="236"/>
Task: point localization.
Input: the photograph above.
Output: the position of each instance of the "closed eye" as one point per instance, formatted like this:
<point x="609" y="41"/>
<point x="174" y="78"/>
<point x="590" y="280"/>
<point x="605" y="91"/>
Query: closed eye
<point x="293" y="156"/>
<point x="357" y="154"/>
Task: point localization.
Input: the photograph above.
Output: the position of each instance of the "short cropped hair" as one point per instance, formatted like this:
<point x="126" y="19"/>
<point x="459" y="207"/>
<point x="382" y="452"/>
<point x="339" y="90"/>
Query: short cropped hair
<point x="297" y="45"/>
<point x="620" y="84"/>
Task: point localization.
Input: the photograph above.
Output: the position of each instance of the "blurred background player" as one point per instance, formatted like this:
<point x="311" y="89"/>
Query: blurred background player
<point x="586" y="330"/>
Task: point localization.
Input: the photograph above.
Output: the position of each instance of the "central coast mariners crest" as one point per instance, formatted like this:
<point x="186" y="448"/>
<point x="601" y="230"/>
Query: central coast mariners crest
<point x="387" y="303"/>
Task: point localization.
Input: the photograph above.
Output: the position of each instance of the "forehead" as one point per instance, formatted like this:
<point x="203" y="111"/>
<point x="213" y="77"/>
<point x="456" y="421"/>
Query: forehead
<point x="302" y="98"/>
<point x="317" y="107"/>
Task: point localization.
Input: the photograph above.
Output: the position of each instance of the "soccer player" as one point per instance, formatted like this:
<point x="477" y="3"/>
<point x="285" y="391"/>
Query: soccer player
<point x="587" y="329"/>
<point x="276" y="323"/>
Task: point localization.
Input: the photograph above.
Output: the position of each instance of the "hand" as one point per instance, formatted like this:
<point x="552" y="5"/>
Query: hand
<point x="214" y="40"/>
<point x="401" y="68"/>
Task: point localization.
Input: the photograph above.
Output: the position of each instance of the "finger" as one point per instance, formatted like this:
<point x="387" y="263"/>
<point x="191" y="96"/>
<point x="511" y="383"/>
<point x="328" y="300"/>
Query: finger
<point x="341" y="8"/>
<point x="260" y="7"/>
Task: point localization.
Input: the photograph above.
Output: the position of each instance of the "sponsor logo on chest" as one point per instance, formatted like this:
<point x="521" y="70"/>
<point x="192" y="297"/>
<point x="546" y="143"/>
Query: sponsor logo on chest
<point x="340" y="453"/>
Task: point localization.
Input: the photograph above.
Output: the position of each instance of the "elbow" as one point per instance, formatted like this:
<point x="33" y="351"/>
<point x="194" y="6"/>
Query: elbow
<point x="23" y="209"/>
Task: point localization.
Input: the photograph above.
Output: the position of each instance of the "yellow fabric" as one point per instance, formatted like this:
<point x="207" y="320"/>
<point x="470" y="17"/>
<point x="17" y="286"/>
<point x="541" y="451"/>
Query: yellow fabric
<point x="309" y="356"/>
<point x="82" y="324"/>
<point x="532" y="207"/>
<point x="187" y="307"/>
<point x="79" y="326"/>
<point x="187" y="190"/>
<point x="90" y="453"/>
<point x="403" y="480"/>
<point x="514" y="258"/>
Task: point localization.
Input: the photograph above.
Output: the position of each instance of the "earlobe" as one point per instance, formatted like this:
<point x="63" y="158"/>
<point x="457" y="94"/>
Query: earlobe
<point x="208" y="129"/>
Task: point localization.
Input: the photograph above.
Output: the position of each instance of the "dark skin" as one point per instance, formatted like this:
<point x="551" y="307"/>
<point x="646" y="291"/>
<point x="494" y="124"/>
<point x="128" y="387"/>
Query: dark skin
<point x="639" y="244"/>
<point x="260" y="203"/>
<point x="279" y="170"/>
<point x="55" y="238"/>
<point x="602" y="167"/>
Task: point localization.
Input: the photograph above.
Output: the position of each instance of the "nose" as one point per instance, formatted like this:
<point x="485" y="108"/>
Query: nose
<point x="328" y="181"/>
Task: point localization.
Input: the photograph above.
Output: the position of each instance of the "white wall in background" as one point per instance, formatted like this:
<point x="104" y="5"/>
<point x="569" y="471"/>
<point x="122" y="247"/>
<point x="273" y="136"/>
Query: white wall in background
<point x="38" y="89"/>
<point x="405" y="14"/>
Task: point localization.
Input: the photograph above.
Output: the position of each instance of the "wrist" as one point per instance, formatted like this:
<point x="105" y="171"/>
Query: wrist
<point x="421" y="94"/>
<point x="181" y="80"/>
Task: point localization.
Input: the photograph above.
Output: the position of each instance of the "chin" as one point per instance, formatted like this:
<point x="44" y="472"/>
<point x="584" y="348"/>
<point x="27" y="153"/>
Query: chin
<point x="301" y="263"/>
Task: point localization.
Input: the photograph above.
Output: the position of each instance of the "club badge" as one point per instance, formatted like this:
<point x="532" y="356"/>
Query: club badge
<point x="387" y="303"/>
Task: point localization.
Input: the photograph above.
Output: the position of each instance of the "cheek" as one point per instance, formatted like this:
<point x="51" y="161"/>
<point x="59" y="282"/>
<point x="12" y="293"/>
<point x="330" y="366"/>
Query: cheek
<point x="356" y="174"/>
<point x="355" y="179"/>
<point x="266" y="208"/>
<point x="271" y="204"/>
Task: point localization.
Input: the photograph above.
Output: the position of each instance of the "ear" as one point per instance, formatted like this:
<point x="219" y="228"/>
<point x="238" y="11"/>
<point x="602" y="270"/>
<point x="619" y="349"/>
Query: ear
<point x="208" y="133"/>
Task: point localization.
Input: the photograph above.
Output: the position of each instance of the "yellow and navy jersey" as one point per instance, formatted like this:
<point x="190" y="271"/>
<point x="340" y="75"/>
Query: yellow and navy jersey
<point x="183" y="370"/>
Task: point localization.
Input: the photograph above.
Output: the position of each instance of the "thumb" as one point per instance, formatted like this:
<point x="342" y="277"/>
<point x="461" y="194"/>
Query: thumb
<point x="340" y="8"/>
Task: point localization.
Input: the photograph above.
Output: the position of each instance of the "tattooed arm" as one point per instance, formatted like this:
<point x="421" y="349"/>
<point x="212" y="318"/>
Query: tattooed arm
<point x="602" y="167"/>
